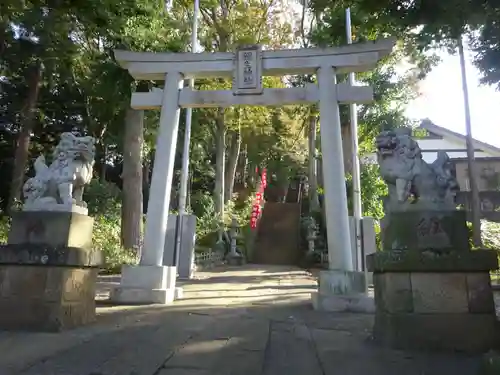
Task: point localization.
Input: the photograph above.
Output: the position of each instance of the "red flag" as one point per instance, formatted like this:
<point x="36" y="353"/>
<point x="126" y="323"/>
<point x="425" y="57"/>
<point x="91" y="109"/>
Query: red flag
<point x="253" y="223"/>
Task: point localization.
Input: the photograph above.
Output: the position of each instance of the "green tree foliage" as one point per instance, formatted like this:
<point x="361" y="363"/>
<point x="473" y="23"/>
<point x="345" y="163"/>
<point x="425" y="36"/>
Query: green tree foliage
<point x="437" y="24"/>
<point x="58" y="73"/>
<point x="394" y="81"/>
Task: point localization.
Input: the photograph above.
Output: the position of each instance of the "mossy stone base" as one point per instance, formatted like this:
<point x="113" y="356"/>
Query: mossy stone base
<point x="48" y="272"/>
<point x="45" y="298"/>
<point x="451" y="311"/>
<point x="432" y="261"/>
<point x="58" y="229"/>
<point x="466" y="333"/>
<point x="424" y="230"/>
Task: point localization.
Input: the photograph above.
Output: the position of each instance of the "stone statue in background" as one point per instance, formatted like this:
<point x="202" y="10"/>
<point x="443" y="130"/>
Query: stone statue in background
<point x="412" y="183"/>
<point x="59" y="187"/>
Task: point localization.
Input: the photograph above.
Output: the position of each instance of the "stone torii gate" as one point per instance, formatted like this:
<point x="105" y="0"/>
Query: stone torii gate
<point x="150" y="281"/>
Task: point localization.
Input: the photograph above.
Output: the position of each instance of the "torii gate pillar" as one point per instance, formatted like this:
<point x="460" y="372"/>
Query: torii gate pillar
<point x="341" y="288"/>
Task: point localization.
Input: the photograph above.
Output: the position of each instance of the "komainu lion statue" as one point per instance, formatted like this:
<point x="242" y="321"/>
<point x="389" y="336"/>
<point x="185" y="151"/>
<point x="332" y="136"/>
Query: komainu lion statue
<point x="60" y="185"/>
<point x="409" y="178"/>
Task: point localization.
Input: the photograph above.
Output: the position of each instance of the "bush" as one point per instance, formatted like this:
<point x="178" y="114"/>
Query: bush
<point x="106" y="237"/>
<point x="490" y="233"/>
<point x="209" y="222"/>
<point x="103" y="198"/>
<point x="4" y="229"/>
<point x="104" y="204"/>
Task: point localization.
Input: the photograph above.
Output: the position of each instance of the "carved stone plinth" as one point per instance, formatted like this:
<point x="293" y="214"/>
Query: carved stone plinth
<point x="48" y="272"/>
<point x="56" y="207"/>
<point x="58" y="229"/>
<point x="425" y="229"/>
<point x="434" y="301"/>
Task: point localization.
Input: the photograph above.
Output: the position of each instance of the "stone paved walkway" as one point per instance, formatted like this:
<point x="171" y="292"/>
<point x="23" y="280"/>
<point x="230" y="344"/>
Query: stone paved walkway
<point x="253" y="320"/>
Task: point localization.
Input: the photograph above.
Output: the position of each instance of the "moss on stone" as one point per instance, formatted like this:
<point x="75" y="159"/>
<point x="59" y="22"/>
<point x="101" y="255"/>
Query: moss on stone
<point x="425" y="230"/>
<point x="435" y="261"/>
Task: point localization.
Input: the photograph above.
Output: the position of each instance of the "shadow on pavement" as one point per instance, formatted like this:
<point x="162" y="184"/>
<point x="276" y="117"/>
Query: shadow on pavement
<point x="273" y="338"/>
<point x="233" y="328"/>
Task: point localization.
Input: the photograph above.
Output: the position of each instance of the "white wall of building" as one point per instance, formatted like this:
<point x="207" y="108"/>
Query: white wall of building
<point x="447" y="145"/>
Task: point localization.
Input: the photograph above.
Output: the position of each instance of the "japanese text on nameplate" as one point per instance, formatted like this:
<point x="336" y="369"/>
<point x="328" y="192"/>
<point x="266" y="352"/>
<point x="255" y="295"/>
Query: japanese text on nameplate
<point x="248" y="59"/>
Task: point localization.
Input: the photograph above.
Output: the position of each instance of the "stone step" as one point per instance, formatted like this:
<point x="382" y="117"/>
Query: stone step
<point x="278" y="235"/>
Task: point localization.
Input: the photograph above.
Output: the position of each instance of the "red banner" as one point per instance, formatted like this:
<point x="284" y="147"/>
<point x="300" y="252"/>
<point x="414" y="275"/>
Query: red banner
<point x="259" y="197"/>
<point x="255" y="216"/>
<point x="264" y="178"/>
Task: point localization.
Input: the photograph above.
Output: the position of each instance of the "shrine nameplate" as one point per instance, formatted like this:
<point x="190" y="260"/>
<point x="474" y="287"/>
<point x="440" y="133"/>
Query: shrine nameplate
<point x="247" y="70"/>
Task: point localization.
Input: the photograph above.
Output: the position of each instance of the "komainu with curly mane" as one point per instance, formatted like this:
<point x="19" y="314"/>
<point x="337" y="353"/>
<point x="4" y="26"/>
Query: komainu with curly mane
<point x="411" y="181"/>
<point x="59" y="187"/>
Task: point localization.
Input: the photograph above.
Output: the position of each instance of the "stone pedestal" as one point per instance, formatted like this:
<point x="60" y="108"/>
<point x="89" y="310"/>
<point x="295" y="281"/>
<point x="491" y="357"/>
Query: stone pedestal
<point x="188" y="239"/>
<point x="434" y="300"/>
<point x="342" y="291"/>
<point x="48" y="272"/>
<point x="62" y="229"/>
<point x="369" y="243"/>
<point x="235" y="259"/>
<point x="425" y="229"/>
<point x="146" y="285"/>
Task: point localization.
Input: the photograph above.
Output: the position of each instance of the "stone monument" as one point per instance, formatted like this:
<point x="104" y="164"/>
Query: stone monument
<point x="48" y="268"/>
<point x="431" y="290"/>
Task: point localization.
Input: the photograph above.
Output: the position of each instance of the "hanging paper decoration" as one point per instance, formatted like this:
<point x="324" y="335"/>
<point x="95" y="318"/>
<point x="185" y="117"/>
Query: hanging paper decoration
<point x="264" y="178"/>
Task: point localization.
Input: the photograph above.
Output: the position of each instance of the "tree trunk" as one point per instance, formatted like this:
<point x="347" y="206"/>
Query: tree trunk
<point x="220" y="160"/>
<point x="146" y="176"/>
<point x="132" y="179"/>
<point x="100" y="160"/>
<point x="313" y="179"/>
<point x="220" y="130"/>
<point x="244" y="167"/>
<point x="33" y="78"/>
<point x="232" y="163"/>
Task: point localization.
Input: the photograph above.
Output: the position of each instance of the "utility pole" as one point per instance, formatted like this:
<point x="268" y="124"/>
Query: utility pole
<point x="356" y="179"/>
<point x="185" y="151"/>
<point x="475" y="204"/>
<point x="313" y="175"/>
